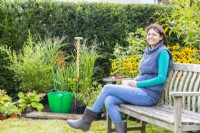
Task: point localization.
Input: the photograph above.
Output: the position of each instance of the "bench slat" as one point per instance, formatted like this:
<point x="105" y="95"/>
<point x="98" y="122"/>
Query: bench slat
<point x="182" y="80"/>
<point x="184" y="87"/>
<point x="186" y="67"/>
<point x="163" y="113"/>
<point x="196" y="99"/>
<point x="165" y="95"/>
<point x="191" y="115"/>
<point x="177" y="81"/>
<point x="171" y="86"/>
<point x="190" y="89"/>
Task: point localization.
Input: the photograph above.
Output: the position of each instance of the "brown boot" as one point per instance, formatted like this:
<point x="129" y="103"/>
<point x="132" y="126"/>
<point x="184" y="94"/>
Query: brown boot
<point x="85" y="122"/>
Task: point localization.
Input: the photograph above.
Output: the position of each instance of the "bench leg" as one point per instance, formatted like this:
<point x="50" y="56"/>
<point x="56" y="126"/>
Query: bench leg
<point x="177" y="115"/>
<point x="143" y="126"/>
<point x="108" y="124"/>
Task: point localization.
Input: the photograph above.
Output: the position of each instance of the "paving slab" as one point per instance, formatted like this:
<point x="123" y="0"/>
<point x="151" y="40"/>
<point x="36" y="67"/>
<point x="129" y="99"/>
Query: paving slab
<point x="52" y="115"/>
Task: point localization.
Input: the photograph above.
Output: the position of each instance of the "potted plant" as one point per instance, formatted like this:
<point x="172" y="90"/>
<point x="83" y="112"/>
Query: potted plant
<point x="4" y="99"/>
<point x="11" y="110"/>
<point x="87" y="97"/>
<point x="80" y="103"/>
<point x="3" y="115"/>
<point x="30" y="101"/>
<point x="88" y="56"/>
<point x="14" y="111"/>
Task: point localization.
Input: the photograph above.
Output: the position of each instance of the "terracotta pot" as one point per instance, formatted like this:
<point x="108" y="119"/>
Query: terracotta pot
<point x="2" y="117"/>
<point x="13" y="116"/>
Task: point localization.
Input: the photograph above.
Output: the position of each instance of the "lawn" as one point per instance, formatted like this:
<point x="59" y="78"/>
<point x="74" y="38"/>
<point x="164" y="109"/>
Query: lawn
<point x="25" y="125"/>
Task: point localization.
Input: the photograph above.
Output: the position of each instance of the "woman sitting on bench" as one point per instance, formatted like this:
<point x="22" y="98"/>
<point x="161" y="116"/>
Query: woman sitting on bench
<point x="144" y="90"/>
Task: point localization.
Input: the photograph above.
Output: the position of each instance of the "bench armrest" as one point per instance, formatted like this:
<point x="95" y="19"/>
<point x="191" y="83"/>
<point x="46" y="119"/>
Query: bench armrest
<point x="178" y="105"/>
<point x="182" y="94"/>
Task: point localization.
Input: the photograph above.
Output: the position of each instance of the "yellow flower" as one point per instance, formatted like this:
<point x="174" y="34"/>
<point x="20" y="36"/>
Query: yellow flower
<point x="112" y="74"/>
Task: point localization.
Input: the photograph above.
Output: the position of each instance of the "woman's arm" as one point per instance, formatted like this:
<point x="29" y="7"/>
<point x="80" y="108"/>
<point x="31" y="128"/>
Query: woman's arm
<point x="163" y="61"/>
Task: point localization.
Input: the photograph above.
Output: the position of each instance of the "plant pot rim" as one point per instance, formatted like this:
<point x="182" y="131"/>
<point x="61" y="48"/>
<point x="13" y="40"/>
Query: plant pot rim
<point x="14" y="116"/>
<point x="2" y="117"/>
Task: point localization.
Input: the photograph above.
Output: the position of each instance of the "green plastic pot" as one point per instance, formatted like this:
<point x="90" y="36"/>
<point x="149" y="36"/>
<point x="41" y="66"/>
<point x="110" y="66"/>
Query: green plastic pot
<point x="60" y="102"/>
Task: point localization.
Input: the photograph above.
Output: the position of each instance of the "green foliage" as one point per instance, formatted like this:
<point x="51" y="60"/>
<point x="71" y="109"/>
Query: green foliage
<point x="6" y="76"/>
<point x="126" y="61"/>
<point x="103" y="23"/>
<point x="89" y="95"/>
<point x="62" y="76"/>
<point x="7" y="107"/>
<point x="30" y="99"/>
<point x="88" y="57"/>
<point x="10" y="108"/>
<point x="66" y="71"/>
<point x="93" y="93"/>
<point x="4" y="98"/>
<point x="72" y="84"/>
<point x="183" y="21"/>
<point x="137" y="43"/>
<point x="30" y="68"/>
<point x="33" y="65"/>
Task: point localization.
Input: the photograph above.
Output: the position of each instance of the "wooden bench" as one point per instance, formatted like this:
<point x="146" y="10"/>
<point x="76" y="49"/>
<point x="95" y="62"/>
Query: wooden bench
<point x="179" y="106"/>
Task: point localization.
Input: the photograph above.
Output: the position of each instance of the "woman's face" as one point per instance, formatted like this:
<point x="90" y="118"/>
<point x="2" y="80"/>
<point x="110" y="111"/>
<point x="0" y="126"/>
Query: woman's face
<point x="153" y="38"/>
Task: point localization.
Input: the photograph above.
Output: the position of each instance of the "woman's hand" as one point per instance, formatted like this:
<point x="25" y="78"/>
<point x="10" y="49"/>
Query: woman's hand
<point x="131" y="83"/>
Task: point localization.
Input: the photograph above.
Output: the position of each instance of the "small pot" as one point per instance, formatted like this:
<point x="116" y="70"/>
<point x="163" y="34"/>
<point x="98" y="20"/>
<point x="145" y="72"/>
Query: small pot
<point x="80" y="109"/>
<point x="13" y="116"/>
<point x="2" y="117"/>
<point x="45" y="101"/>
<point x="29" y="109"/>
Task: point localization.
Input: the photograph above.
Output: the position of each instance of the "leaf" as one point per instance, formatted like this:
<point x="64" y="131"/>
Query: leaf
<point x="38" y="106"/>
<point x="21" y="95"/>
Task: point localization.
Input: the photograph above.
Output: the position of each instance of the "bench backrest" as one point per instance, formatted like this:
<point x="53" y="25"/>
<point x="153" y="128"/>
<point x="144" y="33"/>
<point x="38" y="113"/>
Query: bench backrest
<point x="184" y="78"/>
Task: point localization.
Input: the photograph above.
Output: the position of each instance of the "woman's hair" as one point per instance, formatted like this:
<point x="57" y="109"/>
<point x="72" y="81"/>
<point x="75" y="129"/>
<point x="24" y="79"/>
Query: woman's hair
<point x="158" y="28"/>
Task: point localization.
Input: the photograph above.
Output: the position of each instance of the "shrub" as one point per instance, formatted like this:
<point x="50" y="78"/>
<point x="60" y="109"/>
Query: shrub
<point x="183" y="22"/>
<point x="33" y="65"/>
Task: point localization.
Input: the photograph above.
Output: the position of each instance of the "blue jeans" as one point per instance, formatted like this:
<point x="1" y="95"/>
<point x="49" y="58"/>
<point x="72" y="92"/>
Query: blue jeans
<point x="112" y="95"/>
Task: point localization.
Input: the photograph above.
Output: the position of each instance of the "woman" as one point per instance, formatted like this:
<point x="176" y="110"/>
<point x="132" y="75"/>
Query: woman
<point x="144" y="90"/>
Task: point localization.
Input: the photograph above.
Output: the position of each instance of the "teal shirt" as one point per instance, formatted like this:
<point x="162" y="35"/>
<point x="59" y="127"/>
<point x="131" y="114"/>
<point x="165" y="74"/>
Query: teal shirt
<point x="163" y="61"/>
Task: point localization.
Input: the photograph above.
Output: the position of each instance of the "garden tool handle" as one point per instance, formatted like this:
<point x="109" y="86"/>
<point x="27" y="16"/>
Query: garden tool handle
<point x="78" y="54"/>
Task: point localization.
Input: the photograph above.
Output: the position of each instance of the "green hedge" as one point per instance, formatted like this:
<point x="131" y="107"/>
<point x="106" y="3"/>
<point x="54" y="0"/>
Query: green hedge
<point x="102" y="23"/>
<point x="106" y="24"/>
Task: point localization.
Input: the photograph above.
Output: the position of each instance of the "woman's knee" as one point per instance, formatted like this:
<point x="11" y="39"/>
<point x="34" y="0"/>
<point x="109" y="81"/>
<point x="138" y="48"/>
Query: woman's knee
<point x="109" y="101"/>
<point x="106" y="88"/>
